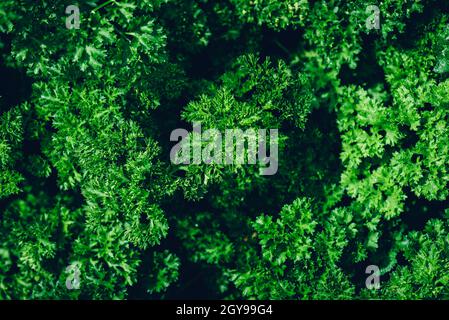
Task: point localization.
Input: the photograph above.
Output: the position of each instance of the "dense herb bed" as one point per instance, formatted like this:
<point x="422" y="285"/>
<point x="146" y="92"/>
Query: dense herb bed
<point x="86" y="181"/>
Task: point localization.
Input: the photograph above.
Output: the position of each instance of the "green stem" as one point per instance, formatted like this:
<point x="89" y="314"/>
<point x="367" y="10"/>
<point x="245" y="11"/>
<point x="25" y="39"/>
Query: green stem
<point x="103" y="5"/>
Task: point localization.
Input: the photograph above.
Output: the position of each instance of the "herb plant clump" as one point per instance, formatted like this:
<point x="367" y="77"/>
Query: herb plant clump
<point x="92" y="207"/>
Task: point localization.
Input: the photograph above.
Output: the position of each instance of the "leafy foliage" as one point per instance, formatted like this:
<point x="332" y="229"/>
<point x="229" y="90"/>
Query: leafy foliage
<point x="86" y="180"/>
